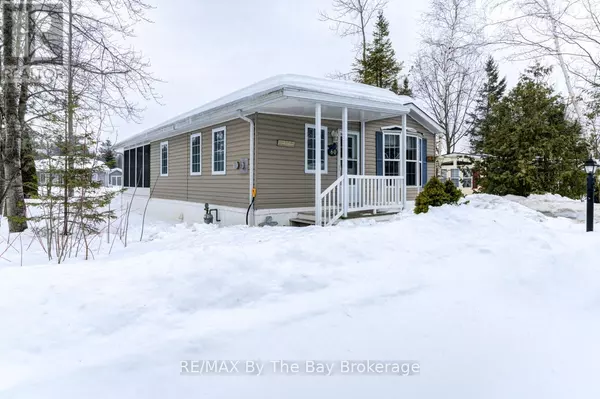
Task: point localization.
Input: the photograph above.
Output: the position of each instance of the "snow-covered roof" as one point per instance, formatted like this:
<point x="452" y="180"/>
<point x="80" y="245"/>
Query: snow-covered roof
<point x="58" y="161"/>
<point x="280" y="86"/>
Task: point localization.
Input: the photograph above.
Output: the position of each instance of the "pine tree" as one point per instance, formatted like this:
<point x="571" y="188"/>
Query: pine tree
<point x="490" y="93"/>
<point x="405" y="90"/>
<point x="380" y="67"/>
<point x="107" y="154"/>
<point x="530" y="144"/>
<point x="30" y="180"/>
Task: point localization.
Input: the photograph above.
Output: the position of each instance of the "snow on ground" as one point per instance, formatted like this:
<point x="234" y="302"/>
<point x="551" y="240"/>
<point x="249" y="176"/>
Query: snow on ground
<point x="493" y="299"/>
<point x="555" y="205"/>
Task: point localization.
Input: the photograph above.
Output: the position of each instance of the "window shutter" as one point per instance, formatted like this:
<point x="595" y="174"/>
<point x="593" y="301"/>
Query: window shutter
<point x="424" y="154"/>
<point x="379" y="153"/>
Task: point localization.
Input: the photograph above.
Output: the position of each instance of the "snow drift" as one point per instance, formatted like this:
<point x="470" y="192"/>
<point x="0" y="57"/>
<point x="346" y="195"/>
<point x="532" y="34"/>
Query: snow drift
<point x="492" y="298"/>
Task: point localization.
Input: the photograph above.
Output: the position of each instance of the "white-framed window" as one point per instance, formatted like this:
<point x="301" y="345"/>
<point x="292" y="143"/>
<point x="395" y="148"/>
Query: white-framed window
<point x="42" y="178"/>
<point x="196" y="154"/>
<point x="164" y="158"/>
<point x="392" y="157"/>
<point x="219" y="151"/>
<point x="414" y="160"/>
<point x="115" y="181"/>
<point x="310" y="145"/>
<point x="391" y="154"/>
<point x="455" y="176"/>
<point x="467" y="180"/>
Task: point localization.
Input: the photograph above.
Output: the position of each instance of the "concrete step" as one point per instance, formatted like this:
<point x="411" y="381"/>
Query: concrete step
<point x="307" y="216"/>
<point x="299" y="222"/>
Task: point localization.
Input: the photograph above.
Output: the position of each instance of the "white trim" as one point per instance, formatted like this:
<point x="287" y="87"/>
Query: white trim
<point x="306" y="127"/>
<point x="418" y="161"/>
<point x="163" y="144"/>
<point x="396" y="127"/>
<point x="192" y="137"/>
<point x="212" y="151"/>
<point x="349" y="102"/>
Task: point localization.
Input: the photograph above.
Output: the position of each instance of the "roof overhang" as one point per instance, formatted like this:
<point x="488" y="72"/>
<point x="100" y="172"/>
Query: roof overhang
<point x="290" y="95"/>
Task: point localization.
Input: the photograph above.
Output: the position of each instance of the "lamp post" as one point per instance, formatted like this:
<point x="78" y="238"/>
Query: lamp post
<point x="590" y="169"/>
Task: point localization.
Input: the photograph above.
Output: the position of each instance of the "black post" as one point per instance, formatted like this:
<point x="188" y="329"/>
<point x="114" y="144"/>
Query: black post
<point x="590" y="202"/>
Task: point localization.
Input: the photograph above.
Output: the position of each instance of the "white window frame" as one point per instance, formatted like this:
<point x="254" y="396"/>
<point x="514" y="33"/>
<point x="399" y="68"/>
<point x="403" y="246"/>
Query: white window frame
<point x="418" y="161"/>
<point x="192" y="137"/>
<point x="212" y="150"/>
<point x="163" y="144"/>
<point x="399" y="161"/>
<point x="456" y="180"/>
<point x="325" y="133"/>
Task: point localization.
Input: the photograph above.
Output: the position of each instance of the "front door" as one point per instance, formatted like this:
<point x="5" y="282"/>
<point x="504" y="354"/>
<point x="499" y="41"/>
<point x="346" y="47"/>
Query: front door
<point x="353" y="163"/>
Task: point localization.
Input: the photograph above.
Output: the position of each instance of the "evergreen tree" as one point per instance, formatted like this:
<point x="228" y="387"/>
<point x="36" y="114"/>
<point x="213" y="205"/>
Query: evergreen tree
<point x="405" y="90"/>
<point x="28" y="171"/>
<point x="490" y="93"/>
<point x="107" y="154"/>
<point x="380" y="67"/>
<point x="531" y="145"/>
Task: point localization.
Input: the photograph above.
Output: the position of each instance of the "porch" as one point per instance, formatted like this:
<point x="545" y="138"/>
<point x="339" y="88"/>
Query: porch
<point x="351" y="179"/>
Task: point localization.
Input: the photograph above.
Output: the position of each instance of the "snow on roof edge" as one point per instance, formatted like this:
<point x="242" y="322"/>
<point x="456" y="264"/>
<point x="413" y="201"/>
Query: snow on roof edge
<point x="278" y="82"/>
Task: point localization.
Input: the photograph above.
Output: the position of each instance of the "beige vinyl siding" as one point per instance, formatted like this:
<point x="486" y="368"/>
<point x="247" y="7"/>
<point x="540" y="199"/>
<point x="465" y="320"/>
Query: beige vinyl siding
<point x="230" y="189"/>
<point x="280" y="178"/>
<point x="370" y="156"/>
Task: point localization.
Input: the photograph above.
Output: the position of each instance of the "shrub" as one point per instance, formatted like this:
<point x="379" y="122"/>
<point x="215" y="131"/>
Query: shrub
<point x="454" y="194"/>
<point x="436" y="193"/>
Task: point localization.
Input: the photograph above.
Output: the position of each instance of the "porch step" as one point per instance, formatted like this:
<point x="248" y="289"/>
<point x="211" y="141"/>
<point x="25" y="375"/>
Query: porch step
<point x="298" y="222"/>
<point x="307" y="216"/>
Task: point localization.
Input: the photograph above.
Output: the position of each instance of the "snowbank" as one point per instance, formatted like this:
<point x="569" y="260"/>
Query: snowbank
<point x="493" y="299"/>
<point x="555" y="205"/>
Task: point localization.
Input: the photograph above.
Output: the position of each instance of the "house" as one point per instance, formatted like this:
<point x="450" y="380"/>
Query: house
<point x="51" y="167"/>
<point x="115" y="177"/>
<point x="458" y="167"/>
<point x="251" y="155"/>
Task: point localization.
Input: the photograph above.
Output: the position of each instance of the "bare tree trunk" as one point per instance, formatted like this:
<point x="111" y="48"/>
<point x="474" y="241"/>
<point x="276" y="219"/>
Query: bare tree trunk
<point x="15" y="198"/>
<point x="68" y="191"/>
<point x="563" y="65"/>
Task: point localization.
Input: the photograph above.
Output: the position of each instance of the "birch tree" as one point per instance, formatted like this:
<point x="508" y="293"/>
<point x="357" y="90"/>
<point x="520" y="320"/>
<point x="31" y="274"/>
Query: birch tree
<point x="448" y="67"/>
<point x="535" y="29"/>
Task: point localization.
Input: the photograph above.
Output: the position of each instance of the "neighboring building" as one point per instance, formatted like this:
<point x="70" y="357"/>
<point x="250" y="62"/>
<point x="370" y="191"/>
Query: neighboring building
<point x="45" y="167"/>
<point x="459" y="168"/>
<point x="263" y="137"/>
<point x="115" y="177"/>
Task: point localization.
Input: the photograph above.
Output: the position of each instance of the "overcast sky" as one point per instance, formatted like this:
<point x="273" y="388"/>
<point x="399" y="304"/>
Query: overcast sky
<point x="204" y="49"/>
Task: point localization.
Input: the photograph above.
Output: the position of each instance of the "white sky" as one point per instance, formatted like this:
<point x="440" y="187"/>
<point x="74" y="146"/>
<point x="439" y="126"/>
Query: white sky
<point x="204" y="49"/>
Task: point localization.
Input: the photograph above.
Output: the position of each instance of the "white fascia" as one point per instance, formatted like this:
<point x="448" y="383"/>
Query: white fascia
<point x="350" y="102"/>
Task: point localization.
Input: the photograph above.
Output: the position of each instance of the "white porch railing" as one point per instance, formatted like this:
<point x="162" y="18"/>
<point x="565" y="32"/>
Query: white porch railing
<point x="365" y="193"/>
<point x="332" y="207"/>
<point x="374" y="192"/>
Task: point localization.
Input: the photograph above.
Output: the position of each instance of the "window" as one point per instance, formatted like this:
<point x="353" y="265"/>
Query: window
<point x="414" y="157"/>
<point x="412" y="160"/>
<point x="219" y="150"/>
<point x="136" y="167"/>
<point x="310" y="145"/>
<point x="467" y="181"/>
<point x="164" y="158"/>
<point x="391" y="154"/>
<point x="455" y="176"/>
<point x="115" y="181"/>
<point x="196" y="154"/>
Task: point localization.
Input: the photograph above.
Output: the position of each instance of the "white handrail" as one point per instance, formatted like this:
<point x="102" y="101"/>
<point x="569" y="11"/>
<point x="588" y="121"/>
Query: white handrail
<point x="364" y="193"/>
<point x="332" y="207"/>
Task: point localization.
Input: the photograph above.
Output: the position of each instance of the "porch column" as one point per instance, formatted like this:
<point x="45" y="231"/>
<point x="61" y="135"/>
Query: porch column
<point x="403" y="160"/>
<point x="345" y="159"/>
<point x="318" y="165"/>
<point x="363" y="135"/>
